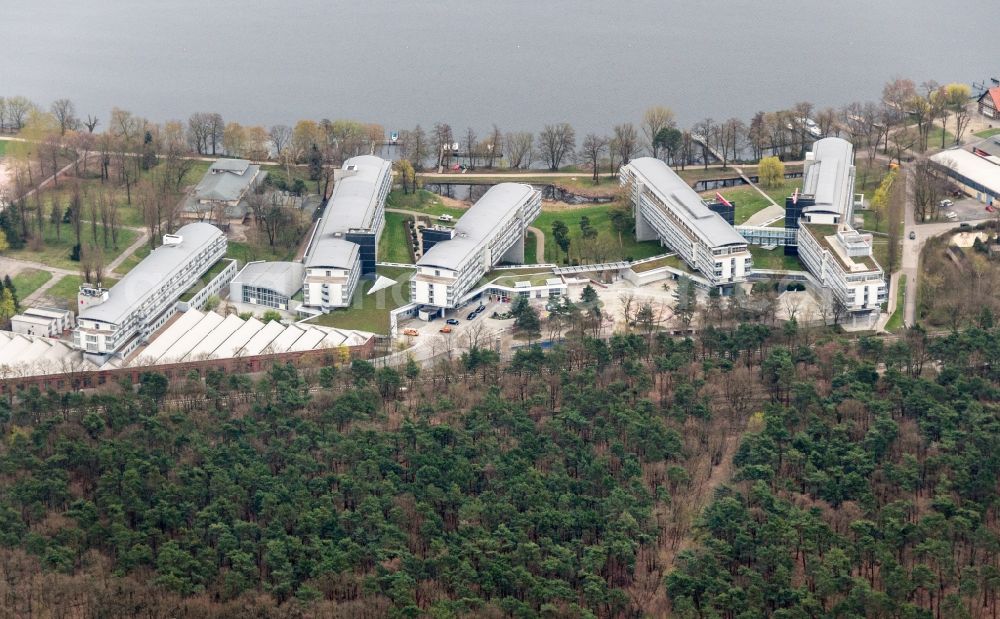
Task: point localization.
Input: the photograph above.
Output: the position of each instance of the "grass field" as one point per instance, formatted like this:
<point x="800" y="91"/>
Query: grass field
<point x="64" y="292"/>
<point x="371" y="312"/>
<point x="3" y="147"/>
<point x="749" y="201"/>
<point x="774" y="259"/>
<point x="896" y="320"/>
<point x="56" y="252"/>
<point x="628" y="249"/>
<point x="29" y="280"/>
<point x="245" y="252"/>
<point x="530" y="249"/>
<point x="422" y="201"/>
<point x="394" y="245"/>
<point x="987" y="133"/>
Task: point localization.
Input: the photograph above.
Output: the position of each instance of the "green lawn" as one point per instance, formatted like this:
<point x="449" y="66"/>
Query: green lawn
<point x="247" y="252"/>
<point x="29" y="280"/>
<point x="774" y="259"/>
<point x="869" y="216"/>
<point x="64" y="292"/>
<point x="749" y="201"/>
<point x="986" y="133"/>
<point x="667" y="261"/>
<point x="530" y="248"/>
<point x="55" y="252"/>
<point x="394" y="246"/>
<point x="3" y="147"/>
<point x="934" y="138"/>
<point x="371" y="312"/>
<point x="896" y="320"/>
<point x="204" y="280"/>
<point x="422" y="201"/>
<point x="627" y="249"/>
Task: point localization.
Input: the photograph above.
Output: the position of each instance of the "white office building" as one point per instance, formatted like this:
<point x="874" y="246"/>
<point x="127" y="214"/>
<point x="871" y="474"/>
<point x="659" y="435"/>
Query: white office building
<point x="344" y="246"/>
<point x="44" y="321"/>
<point x="490" y="232"/>
<point x="837" y="255"/>
<point x="116" y="321"/>
<point x="668" y="210"/>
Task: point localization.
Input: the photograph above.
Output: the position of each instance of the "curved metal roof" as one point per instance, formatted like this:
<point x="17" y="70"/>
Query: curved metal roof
<point x="828" y="179"/>
<point x="671" y="189"/>
<point x="144" y="280"/>
<point x="478" y="225"/>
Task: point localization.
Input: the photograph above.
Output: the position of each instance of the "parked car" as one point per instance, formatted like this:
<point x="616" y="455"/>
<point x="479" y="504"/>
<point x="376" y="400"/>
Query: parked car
<point x="445" y="217"/>
<point x="965" y="225"/>
<point x="452" y="321"/>
<point x="480" y="308"/>
<point x="989" y="208"/>
<point x="946" y="203"/>
<point x="471" y="316"/>
<point x="445" y="330"/>
<point x="410" y="332"/>
<point x="913" y="235"/>
<point x="952" y="215"/>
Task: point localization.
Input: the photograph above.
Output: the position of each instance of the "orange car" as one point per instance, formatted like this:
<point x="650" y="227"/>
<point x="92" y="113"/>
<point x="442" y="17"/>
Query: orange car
<point x="445" y="329"/>
<point x="410" y="332"/>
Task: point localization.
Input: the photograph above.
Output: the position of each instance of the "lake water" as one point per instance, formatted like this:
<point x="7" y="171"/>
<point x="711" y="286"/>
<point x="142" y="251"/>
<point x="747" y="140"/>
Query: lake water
<point x="517" y="63"/>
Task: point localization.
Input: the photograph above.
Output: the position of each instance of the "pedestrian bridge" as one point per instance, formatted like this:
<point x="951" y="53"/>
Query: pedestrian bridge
<point x="773" y="237"/>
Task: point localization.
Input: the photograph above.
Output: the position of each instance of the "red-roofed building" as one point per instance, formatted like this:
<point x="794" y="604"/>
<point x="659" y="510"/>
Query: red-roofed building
<point x="989" y="103"/>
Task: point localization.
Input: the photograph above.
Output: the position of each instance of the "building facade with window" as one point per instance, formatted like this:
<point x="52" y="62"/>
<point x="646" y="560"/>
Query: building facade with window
<point x="668" y="210"/>
<point x="115" y="321"/>
<point x="344" y="246"/>
<point x="836" y="254"/>
<point x="271" y="284"/>
<point x="490" y="232"/>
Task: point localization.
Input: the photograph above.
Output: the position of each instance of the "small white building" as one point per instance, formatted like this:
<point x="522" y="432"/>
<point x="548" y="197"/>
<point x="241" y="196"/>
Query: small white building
<point x="44" y="321"/>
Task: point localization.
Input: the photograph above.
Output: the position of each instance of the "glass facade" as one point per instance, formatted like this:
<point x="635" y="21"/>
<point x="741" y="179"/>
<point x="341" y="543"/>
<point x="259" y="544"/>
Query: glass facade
<point x="264" y="296"/>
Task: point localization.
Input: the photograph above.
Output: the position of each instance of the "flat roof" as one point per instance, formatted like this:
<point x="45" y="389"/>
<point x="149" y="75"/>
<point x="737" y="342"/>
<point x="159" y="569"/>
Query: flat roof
<point x="671" y="189"/>
<point x="822" y="234"/>
<point x="478" y="225"/>
<point x="827" y="177"/>
<point x="352" y="206"/>
<point x="971" y="166"/>
<point x="160" y="265"/>
<point x="285" y="278"/>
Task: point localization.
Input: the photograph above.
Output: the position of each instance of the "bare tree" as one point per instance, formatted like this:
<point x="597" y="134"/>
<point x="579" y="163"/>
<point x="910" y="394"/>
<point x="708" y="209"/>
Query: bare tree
<point x="929" y="185"/>
<point x="593" y="147"/>
<point x="517" y="148"/>
<point x="494" y="147"/>
<point x="443" y="139"/>
<point x="65" y="114"/>
<point x="555" y="143"/>
<point x="653" y="121"/>
<point x="18" y="109"/>
<point x="279" y="135"/>
<point x="414" y="147"/>
<point x="91" y="123"/>
<point x="471" y="147"/>
<point x="626" y="142"/>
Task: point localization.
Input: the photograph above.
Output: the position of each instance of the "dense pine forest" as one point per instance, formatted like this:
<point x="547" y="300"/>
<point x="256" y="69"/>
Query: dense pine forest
<point x="748" y="472"/>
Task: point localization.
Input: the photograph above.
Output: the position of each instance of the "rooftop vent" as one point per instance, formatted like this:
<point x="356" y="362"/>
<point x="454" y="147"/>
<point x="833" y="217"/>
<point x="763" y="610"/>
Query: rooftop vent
<point x="172" y="239"/>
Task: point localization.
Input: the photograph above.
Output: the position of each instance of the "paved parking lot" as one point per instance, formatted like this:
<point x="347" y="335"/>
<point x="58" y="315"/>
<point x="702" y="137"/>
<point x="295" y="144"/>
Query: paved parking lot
<point x="965" y="209"/>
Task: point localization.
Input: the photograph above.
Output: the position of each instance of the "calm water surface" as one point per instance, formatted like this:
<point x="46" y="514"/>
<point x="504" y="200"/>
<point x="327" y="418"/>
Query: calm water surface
<point x="516" y="63"/>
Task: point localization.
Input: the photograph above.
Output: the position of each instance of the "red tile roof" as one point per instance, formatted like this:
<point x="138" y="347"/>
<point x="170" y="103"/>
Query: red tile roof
<point x="994" y="94"/>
